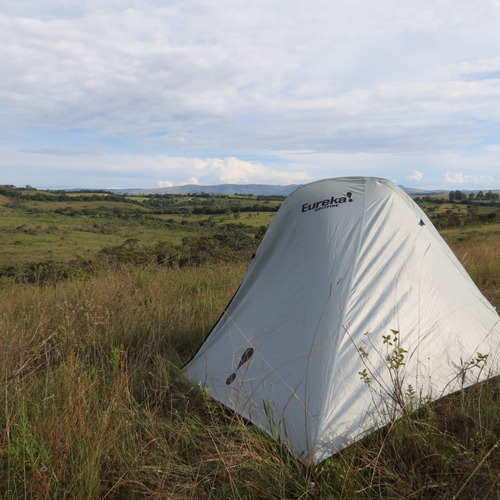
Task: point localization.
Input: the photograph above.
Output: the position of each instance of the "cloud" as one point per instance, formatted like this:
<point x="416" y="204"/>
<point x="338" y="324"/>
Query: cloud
<point x="461" y="178"/>
<point x="454" y="178"/>
<point x="137" y="170"/>
<point x="417" y="175"/>
<point x="230" y="91"/>
<point x="235" y="171"/>
<point x="232" y="171"/>
<point x="163" y="184"/>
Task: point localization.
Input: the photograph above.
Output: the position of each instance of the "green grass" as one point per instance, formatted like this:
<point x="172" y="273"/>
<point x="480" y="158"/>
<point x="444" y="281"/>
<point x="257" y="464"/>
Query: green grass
<point x="254" y="219"/>
<point x="82" y="205"/>
<point x="461" y="236"/>
<point x="43" y="236"/>
<point x="35" y="230"/>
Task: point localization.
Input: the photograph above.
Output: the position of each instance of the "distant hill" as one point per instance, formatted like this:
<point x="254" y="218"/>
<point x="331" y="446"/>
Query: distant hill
<point x="228" y="189"/>
<point x="421" y="192"/>
<point x="251" y="189"/>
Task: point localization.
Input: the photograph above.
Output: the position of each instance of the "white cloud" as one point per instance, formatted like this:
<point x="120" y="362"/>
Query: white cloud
<point x="194" y="89"/>
<point x="417" y="175"/>
<point x="454" y="178"/>
<point x="163" y="184"/>
<point x="461" y="178"/>
<point x="94" y="170"/>
<point x="236" y="171"/>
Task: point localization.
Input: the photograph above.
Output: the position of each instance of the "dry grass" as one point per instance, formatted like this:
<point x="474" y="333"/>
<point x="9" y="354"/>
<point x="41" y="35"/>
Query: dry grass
<point x="481" y="258"/>
<point x="94" y="404"/>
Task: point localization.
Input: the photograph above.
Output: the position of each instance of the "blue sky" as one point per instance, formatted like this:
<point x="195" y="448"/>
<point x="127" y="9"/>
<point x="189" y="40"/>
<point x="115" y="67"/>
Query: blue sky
<point x="149" y="93"/>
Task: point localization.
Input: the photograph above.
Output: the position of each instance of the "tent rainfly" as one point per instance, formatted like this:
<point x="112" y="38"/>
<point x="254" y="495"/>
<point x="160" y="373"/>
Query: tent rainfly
<point x="353" y="307"/>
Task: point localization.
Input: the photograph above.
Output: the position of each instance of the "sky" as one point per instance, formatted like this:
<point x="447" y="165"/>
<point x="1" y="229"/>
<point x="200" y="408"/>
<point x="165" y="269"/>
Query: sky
<point x="155" y="93"/>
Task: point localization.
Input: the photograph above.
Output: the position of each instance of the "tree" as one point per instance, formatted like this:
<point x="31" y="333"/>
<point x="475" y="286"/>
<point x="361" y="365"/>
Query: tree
<point x="456" y="196"/>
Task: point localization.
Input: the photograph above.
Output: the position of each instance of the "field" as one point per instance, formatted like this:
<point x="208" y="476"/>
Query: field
<point x="66" y="231"/>
<point x="101" y="307"/>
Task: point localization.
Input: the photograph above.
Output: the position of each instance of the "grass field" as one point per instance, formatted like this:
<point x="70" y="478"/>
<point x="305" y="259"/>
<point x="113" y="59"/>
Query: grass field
<point x="33" y="230"/>
<point x="94" y="403"/>
<point x="40" y="237"/>
<point x="94" y="406"/>
<point x="478" y="249"/>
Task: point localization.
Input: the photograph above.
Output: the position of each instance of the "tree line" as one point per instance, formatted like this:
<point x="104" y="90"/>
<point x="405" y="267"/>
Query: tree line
<point x="460" y="196"/>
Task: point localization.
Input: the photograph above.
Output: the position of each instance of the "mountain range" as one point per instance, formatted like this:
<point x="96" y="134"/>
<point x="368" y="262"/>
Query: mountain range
<point x="230" y="189"/>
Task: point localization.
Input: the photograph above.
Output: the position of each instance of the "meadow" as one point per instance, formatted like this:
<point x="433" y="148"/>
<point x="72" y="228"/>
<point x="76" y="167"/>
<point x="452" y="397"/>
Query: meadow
<point x="95" y="404"/>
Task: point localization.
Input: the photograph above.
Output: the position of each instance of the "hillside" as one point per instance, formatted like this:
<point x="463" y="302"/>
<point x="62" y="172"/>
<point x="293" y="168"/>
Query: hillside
<point x="105" y="297"/>
<point x="226" y="189"/>
<point x="250" y="189"/>
<point x="54" y="227"/>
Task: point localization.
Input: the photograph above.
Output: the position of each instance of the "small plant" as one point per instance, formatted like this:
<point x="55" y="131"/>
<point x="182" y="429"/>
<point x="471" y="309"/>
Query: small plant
<point x="479" y="361"/>
<point x="364" y="376"/>
<point x="116" y="357"/>
<point x="395" y="361"/>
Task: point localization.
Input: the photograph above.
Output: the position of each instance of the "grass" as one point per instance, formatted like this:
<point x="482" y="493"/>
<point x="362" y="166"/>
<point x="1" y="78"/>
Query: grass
<point x="253" y="219"/>
<point x="478" y="249"/>
<point x="32" y="231"/>
<point x="89" y="392"/>
<point x="39" y="237"/>
<point x="94" y="404"/>
<point x="82" y="205"/>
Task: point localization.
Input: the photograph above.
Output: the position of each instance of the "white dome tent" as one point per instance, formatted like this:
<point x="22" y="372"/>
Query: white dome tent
<point x="352" y="307"/>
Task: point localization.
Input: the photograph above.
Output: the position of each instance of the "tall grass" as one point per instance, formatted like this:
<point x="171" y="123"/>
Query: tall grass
<point x="94" y="405"/>
<point x="481" y="259"/>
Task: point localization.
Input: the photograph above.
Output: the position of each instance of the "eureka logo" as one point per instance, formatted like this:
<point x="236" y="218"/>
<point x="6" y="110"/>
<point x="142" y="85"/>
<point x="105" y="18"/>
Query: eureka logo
<point x="328" y="203"/>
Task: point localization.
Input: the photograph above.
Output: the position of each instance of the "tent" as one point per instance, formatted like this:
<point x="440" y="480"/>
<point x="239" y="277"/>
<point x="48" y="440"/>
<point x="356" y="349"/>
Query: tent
<point x="353" y="308"/>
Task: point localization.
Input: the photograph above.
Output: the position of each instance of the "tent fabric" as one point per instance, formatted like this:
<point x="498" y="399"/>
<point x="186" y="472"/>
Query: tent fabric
<point x="347" y="267"/>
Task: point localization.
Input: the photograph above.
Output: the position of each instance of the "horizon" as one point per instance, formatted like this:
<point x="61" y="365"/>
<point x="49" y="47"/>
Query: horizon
<point x="132" y="188"/>
<point x="145" y="94"/>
